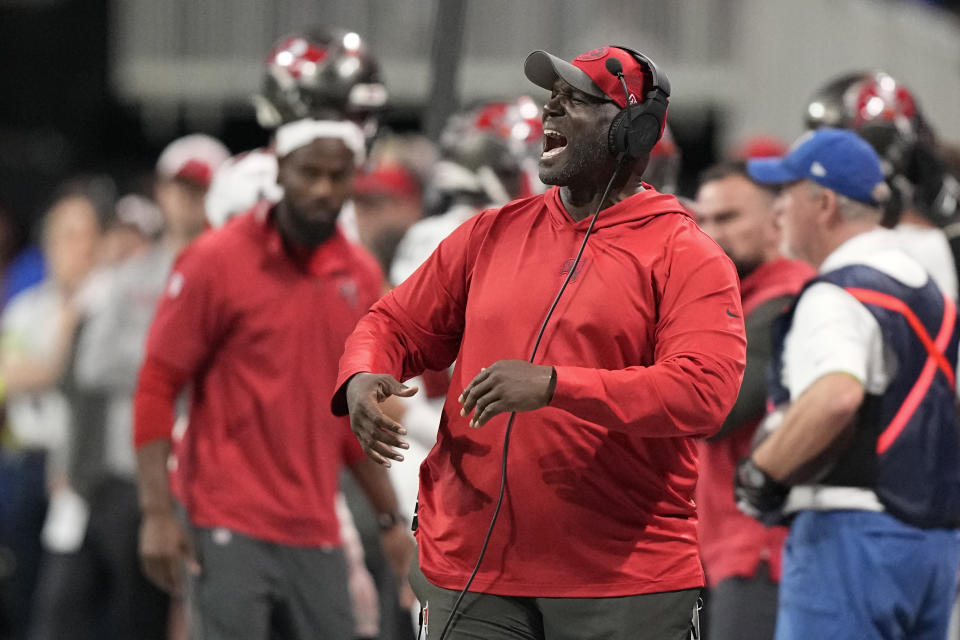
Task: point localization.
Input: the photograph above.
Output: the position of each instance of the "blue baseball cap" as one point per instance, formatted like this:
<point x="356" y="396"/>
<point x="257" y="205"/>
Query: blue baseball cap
<point x="837" y="159"/>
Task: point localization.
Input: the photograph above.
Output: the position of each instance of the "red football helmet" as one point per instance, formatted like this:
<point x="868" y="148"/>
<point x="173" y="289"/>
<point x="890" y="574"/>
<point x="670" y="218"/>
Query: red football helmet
<point x="488" y="155"/>
<point x="517" y="122"/>
<point x="322" y="73"/>
<point x="886" y="114"/>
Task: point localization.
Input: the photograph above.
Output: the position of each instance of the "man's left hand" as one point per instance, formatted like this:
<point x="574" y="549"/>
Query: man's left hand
<point x="507" y="385"/>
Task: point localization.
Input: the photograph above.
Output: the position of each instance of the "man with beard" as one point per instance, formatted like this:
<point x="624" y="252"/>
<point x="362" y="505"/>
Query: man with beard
<point x="253" y="318"/>
<point x="740" y="555"/>
<point x="642" y="352"/>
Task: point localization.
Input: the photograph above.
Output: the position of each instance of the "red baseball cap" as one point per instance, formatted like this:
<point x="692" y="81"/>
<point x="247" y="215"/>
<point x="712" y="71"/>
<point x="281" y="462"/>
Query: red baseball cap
<point x="588" y="73"/>
<point x="387" y="181"/>
<point x="194" y="157"/>
<point x="760" y="146"/>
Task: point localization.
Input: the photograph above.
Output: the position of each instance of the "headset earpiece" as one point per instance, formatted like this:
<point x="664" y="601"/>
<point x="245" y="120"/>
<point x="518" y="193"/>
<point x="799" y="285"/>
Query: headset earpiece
<point x="616" y="135"/>
<point x="635" y="130"/>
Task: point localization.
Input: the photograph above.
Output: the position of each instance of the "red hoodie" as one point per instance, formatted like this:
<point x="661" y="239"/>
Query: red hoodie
<point x="649" y="349"/>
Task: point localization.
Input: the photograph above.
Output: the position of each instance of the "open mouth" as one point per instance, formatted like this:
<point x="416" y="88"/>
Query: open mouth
<point x="553" y="143"/>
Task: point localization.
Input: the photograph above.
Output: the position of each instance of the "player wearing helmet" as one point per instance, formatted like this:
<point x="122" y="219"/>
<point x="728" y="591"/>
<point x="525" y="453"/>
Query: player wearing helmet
<point x="488" y="158"/>
<point x="320" y="73"/>
<point x="925" y="195"/>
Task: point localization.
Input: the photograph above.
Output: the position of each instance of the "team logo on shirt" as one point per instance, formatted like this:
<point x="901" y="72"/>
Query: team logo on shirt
<point x="565" y="268"/>
<point x="175" y="284"/>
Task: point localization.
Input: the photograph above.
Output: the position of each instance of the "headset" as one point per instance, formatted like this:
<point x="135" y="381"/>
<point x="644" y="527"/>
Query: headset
<point x="635" y="130"/>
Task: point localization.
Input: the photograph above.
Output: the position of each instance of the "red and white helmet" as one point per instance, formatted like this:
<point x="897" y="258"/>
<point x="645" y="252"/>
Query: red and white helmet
<point x="887" y="115"/>
<point x="488" y="155"/>
<point x="516" y="122"/>
<point x="321" y="73"/>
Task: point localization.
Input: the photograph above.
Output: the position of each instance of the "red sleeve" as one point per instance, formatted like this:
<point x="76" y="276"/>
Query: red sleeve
<point x="389" y="340"/>
<point x="154" y="400"/>
<point x="699" y="357"/>
<point x="183" y="334"/>
<point x="190" y="316"/>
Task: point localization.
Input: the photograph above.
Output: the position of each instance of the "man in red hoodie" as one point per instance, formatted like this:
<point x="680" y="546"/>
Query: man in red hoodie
<point x="740" y="555"/>
<point x="596" y="528"/>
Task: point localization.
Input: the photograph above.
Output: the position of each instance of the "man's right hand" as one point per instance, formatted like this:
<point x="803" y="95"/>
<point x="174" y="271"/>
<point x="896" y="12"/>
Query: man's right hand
<point x="164" y="547"/>
<point x="377" y="433"/>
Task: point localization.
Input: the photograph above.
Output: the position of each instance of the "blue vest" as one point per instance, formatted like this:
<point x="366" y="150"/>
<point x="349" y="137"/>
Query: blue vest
<point x="906" y="444"/>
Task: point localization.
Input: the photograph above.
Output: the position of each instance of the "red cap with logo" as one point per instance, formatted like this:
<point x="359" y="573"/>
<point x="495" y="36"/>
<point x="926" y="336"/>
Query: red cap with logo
<point x="194" y="158"/>
<point x="588" y="72"/>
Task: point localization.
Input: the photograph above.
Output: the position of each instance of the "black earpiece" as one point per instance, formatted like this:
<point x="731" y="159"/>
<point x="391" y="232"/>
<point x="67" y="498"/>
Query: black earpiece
<point x="636" y="129"/>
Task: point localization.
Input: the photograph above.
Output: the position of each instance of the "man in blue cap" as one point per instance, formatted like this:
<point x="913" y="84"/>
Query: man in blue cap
<point x="864" y="453"/>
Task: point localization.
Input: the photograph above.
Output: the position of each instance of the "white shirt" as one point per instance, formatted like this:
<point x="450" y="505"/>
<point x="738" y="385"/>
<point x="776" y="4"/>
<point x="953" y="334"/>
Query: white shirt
<point x="929" y="247"/>
<point x="30" y="328"/>
<point x="423" y="238"/>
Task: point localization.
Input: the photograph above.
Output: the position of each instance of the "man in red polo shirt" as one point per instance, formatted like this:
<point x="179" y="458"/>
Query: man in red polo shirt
<point x="740" y="555"/>
<point x="254" y="318"/>
<point x="596" y="535"/>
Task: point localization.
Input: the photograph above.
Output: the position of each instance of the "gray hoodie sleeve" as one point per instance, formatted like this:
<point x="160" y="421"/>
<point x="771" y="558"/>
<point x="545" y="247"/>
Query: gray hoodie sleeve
<point x="111" y="343"/>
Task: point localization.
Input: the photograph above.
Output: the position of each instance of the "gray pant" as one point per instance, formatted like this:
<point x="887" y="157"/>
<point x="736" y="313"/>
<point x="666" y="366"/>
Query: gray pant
<point x="254" y="590"/>
<point x="657" y="616"/>
<point x="743" y="608"/>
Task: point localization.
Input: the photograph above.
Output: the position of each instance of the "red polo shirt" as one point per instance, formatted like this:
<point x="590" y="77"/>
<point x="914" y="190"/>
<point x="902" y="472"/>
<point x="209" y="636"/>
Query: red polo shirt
<point x="259" y="334"/>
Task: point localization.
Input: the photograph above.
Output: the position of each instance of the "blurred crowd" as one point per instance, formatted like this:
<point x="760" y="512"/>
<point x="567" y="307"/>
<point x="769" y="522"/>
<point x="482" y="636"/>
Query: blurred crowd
<point x="80" y="290"/>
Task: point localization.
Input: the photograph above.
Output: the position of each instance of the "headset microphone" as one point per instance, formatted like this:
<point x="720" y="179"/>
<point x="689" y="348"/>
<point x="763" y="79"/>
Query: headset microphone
<point x="615" y="68"/>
